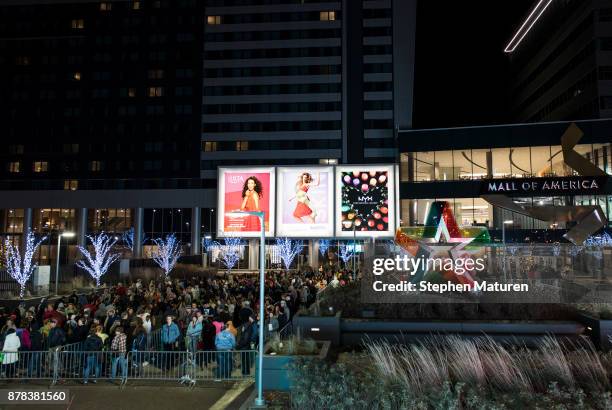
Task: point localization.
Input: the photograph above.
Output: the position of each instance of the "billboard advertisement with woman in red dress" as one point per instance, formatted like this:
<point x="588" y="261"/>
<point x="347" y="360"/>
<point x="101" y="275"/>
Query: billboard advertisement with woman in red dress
<point x="247" y="190"/>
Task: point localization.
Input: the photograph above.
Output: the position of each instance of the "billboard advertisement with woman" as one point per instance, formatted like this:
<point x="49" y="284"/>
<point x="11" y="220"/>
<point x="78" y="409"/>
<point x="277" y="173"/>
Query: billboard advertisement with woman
<point x="365" y="198"/>
<point x="245" y="189"/>
<point x="305" y="201"/>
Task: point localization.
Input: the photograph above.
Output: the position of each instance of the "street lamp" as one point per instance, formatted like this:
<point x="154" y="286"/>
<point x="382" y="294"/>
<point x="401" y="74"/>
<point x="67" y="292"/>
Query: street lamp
<point x="259" y="401"/>
<point x="210" y="217"/>
<point x="59" y="240"/>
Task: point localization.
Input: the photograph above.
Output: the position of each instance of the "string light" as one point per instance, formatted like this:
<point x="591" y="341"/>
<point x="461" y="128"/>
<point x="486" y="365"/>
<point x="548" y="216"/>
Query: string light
<point x="288" y="250"/>
<point x="229" y="252"/>
<point x="323" y="246"/>
<point x="168" y="252"/>
<point x="21" y="267"/>
<point x="97" y="265"/>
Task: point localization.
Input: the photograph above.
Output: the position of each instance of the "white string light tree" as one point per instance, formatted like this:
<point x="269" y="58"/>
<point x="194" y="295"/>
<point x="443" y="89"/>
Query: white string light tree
<point x="98" y="262"/>
<point x="168" y="252"/>
<point x="20" y="267"/>
<point x="229" y="252"/>
<point x="288" y="250"/>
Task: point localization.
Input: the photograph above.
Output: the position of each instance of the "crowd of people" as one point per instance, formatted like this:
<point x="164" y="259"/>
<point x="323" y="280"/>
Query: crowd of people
<point x="207" y="317"/>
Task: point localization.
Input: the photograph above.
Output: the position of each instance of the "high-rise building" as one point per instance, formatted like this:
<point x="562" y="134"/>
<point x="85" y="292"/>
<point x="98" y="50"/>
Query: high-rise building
<point x="562" y="57"/>
<point x="304" y="82"/>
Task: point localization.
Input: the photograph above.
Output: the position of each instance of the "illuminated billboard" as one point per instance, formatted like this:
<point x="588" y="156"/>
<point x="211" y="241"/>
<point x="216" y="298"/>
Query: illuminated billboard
<point x="245" y="189"/>
<point x="305" y="201"/>
<point x="365" y="201"/>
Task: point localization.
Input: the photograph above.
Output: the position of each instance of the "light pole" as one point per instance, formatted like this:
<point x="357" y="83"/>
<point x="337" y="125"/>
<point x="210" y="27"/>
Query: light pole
<point x="210" y="214"/>
<point x="259" y="401"/>
<point x="354" y="246"/>
<point x="57" y="264"/>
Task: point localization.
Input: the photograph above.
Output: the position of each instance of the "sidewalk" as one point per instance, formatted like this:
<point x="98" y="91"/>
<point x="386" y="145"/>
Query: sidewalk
<point x="104" y="396"/>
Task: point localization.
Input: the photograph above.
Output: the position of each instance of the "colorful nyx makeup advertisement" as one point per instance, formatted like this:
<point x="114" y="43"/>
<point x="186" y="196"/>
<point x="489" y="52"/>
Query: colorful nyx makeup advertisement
<point x="305" y="203"/>
<point x="246" y="190"/>
<point x="365" y="201"/>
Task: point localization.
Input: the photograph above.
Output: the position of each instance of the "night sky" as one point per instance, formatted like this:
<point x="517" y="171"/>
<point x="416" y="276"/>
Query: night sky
<point x="462" y="74"/>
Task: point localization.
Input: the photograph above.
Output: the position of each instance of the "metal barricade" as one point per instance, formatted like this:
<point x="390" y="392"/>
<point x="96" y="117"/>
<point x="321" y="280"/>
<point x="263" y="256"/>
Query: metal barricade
<point x="224" y="364"/>
<point x="91" y="366"/>
<point x="29" y="365"/>
<point x="165" y="365"/>
<point x="185" y="367"/>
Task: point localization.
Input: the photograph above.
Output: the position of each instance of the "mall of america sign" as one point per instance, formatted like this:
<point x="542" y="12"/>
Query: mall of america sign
<point x="574" y="185"/>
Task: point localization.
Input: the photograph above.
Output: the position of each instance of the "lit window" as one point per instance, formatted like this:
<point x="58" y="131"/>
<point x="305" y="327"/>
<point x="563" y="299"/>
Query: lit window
<point x="329" y="161"/>
<point x="156" y="74"/>
<point x="41" y="166"/>
<point x="95" y="166"/>
<point x="210" y="146"/>
<point x="155" y="91"/>
<point x="131" y="92"/>
<point x="106" y="6"/>
<point x="77" y="76"/>
<point x="71" y="185"/>
<point x="213" y="20"/>
<point x="242" y="145"/>
<point x="135" y="5"/>
<point x="14" y="167"/>
<point x="327" y="15"/>
<point x="78" y="24"/>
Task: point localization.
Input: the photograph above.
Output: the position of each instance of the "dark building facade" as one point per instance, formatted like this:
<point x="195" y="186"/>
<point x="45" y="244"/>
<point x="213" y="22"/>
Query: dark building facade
<point x="98" y="90"/>
<point x="562" y="61"/>
<point x="116" y="114"/>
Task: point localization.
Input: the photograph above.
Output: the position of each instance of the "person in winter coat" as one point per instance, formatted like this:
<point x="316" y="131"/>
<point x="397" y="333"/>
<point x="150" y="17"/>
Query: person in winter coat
<point x="139" y="345"/>
<point x="244" y="343"/>
<point x="272" y="324"/>
<point x="192" y="337"/>
<point x="57" y="336"/>
<point x="170" y="334"/>
<point x="11" y="357"/>
<point x="224" y="342"/>
<point x="208" y="340"/>
<point x="92" y="346"/>
<point x="218" y="324"/>
<point x="36" y="346"/>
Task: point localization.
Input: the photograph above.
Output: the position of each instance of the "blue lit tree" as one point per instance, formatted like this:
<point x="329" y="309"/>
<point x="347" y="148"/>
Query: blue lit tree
<point x="128" y="238"/>
<point x="346" y="252"/>
<point x="98" y="262"/>
<point x="230" y="252"/>
<point x="208" y="244"/>
<point x="20" y="266"/>
<point x="168" y="252"/>
<point x="288" y="250"/>
<point x="323" y="246"/>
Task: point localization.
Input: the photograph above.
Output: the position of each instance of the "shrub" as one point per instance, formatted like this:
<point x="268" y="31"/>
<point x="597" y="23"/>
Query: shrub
<point x="319" y="385"/>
